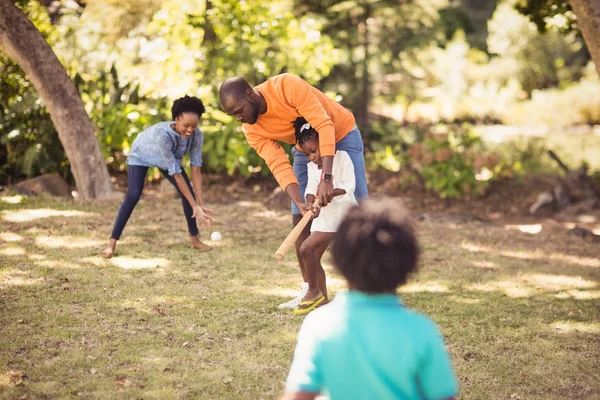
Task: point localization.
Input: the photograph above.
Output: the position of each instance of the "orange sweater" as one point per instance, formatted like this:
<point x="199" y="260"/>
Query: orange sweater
<point x="289" y="97"/>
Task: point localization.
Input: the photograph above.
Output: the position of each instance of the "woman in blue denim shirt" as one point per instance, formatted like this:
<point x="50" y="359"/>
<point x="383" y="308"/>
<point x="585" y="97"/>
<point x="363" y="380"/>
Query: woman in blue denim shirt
<point x="163" y="145"/>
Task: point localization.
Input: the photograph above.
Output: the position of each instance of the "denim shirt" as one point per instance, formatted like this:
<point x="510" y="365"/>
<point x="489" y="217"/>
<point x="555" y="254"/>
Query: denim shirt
<point x="160" y="146"/>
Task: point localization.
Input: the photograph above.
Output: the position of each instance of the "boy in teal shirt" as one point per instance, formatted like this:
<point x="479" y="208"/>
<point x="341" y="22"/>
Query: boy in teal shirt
<point x="365" y="344"/>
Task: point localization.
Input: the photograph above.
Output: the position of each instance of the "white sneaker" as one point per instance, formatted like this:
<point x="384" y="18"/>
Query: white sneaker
<point x="295" y="302"/>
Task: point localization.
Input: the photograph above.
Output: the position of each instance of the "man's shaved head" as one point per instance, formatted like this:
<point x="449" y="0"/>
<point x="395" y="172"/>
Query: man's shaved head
<point x="233" y="88"/>
<point x="240" y="100"/>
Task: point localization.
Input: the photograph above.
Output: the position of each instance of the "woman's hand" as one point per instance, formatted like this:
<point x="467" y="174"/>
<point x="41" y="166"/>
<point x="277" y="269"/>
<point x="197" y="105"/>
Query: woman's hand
<point x="202" y="217"/>
<point x="207" y="210"/>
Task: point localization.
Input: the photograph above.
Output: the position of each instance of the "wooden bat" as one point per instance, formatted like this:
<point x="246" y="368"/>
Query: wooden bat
<point x="291" y="238"/>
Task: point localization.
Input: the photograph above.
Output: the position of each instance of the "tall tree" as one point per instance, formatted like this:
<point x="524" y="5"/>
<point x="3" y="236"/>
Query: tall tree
<point x="24" y="44"/>
<point x="588" y="21"/>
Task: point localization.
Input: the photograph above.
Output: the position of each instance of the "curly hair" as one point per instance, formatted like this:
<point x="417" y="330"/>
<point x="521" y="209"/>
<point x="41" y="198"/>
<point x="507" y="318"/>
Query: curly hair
<point x="306" y="134"/>
<point x="375" y="247"/>
<point x="187" y="104"/>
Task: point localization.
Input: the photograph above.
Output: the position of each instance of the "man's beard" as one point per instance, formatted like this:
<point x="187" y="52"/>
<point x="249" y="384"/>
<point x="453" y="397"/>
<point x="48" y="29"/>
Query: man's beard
<point x="254" y="114"/>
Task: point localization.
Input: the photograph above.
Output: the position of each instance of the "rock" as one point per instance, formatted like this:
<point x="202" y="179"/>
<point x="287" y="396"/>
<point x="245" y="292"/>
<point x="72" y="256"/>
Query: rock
<point x="167" y="190"/>
<point x="51" y="184"/>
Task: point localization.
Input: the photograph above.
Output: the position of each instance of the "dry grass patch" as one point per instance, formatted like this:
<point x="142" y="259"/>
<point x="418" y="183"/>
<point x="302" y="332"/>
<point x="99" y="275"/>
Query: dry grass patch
<point x="520" y="311"/>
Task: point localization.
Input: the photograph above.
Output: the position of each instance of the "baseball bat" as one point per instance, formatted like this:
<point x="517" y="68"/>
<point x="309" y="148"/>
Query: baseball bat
<point x="291" y="238"/>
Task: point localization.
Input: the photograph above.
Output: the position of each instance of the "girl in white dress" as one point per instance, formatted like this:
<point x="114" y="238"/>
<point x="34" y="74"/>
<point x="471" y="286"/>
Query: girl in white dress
<point x="326" y="219"/>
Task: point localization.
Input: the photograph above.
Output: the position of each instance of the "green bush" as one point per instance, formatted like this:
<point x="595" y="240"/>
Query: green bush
<point x="453" y="162"/>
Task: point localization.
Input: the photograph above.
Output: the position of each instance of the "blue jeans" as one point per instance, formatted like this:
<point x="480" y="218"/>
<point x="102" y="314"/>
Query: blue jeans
<point x="136" y="176"/>
<point x="351" y="144"/>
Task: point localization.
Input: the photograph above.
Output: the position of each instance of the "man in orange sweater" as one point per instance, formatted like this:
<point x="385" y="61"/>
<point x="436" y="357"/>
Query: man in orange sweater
<point x="268" y="112"/>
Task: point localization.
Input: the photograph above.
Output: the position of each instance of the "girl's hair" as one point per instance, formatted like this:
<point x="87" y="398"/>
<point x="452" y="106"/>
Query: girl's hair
<point x="187" y="104"/>
<point x="304" y="132"/>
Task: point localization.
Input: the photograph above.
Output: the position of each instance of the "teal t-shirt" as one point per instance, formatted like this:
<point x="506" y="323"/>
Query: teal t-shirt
<point x="364" y="346"/>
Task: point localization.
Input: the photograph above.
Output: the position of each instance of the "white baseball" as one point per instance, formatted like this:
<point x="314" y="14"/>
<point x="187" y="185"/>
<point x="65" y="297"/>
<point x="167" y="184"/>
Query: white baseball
<point x="215" y="236"/>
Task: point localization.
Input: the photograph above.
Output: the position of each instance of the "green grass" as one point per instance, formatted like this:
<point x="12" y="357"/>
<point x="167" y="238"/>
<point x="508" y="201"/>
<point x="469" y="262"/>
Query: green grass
<point x="520" y="312"/>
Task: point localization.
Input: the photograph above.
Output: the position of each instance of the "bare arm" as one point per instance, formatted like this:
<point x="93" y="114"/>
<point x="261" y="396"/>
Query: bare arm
<point x="293" y="191"/>
<point x="183" y="187"/>
<point x="201" y="216"/>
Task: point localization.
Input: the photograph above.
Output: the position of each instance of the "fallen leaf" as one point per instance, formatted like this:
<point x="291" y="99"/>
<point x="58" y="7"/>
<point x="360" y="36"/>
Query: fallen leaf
<point x="16" y="378"/>
<point x="227" y="380"/>
<point x="191" y="327"/>
<point x="123" y="381"/>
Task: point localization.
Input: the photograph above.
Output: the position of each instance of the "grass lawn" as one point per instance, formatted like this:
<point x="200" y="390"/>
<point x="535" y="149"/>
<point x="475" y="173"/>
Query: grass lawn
<point x="520" y="311"/>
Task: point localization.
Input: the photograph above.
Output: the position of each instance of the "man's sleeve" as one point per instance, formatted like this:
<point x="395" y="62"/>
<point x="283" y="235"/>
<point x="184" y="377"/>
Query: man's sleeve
<point x="306" y="373"/>
<point x="196" y="150"/>
<point x="297" y="94"/>
<point x="436" y="376"/>
<point x="275" y="157"/>
<point x="168" y="161"/>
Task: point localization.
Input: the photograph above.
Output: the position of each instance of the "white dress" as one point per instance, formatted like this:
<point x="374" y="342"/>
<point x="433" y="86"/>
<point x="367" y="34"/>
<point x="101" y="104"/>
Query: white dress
<point x="343" y="178"/>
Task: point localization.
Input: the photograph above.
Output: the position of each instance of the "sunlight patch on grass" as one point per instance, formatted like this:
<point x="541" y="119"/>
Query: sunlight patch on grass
<point x="10" y="237"/>
<point x="538" y="255"/>
<point x="56" y="264"/>
<point x="531" y="229"/>
<point x="583" y="261"/>
<point x="280" y="292"/>
<point x="579" y="294"/>
<point x="33" y="214"/>
<point x="464" y="300"/>
<point x="69" y="242"/>
<point x="485" y="264"/>
<point x="10" y="280"/>
<point x="248" y="204"/>
<point x="152" y="305"/>
<point x="557" y="282"/>
<point x="430" y="286"/>
<point x="573" y="326"/>
<point x="12" y="199"/>
<point x="139" y="263"/>
<point x="12" y="251"/>
<point x="526" y="285"/>
<point x="509" y="288"/>
<point x="36" y="256"/>
<point x="271" y="215"/>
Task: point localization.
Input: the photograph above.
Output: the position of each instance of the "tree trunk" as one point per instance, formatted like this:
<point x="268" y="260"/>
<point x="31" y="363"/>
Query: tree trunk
<point x="362" y="109"/>
<point x="25" y="45"/>
<point x="588" y="21"/>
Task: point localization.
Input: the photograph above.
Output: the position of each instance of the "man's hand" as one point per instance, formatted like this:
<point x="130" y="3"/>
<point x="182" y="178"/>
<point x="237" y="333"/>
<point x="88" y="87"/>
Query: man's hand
<point x="325" y="193"/>
<point x="304" y="208"/>
<point x="202" y="218"/>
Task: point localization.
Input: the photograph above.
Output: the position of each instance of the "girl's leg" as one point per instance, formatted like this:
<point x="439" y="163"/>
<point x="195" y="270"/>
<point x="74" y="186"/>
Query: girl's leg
<point x="311" y="251"/>
<point x="188" y="211"/>
<point x="136" y="176"/>
<point x="301" y="172"/>
<point x="322" y="279"/>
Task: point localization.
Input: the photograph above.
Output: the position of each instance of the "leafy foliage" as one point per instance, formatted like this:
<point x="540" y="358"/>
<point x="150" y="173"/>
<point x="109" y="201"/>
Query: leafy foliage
<point x="545" y="13"/>
<point x="30" y="144"/>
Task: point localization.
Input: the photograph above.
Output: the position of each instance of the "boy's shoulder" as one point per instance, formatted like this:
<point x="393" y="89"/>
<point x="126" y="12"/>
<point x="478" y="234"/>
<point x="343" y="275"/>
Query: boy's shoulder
<point x="337" y="314"/>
